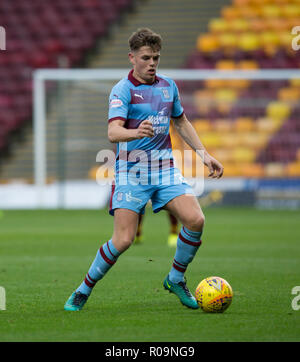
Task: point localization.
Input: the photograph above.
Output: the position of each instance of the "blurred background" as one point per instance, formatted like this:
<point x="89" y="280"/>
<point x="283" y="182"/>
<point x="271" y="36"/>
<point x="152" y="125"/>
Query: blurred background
<point x="251" y="126"/>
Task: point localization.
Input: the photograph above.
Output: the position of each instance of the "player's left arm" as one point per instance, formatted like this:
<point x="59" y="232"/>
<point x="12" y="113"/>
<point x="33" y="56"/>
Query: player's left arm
<point x="190" y="136"/>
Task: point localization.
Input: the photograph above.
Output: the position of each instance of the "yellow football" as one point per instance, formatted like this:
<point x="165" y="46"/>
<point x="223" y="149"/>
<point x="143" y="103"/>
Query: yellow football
<point x="214" y="295"/>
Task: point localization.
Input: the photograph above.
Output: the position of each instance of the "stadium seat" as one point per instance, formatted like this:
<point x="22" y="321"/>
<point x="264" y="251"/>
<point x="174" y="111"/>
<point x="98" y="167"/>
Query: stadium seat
<point x="278" y="110"/>
<point x="293" y="169"/>
<point x="244" y="124"/>
<point x="289" y="95"/>
<point x="223" y="125"/>
<point x="274" y="169"/>
<point x="230" y="12"/>
<point x="252" y="170"/>
<point x="202" y="125"/>
<point x="207" y="43"/>
<point x="211" y="139"/>
<point x="218" y="25"/>
<point x="232" y="170"/>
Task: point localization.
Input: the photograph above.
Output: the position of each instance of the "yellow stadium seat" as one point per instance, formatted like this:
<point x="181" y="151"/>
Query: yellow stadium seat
<point x="276" y="24"/>
<point x="239" y="25"/>
<point x="293" y="169"/>
<point x="176" y="142"/>
<point x="274" y="169"/>
<point x="218" y="25"/>
<point x="262" y="2"/>
<point x="247" y="64"/>
<point x="97" y="173"/>
<point x="269" y="38"/>
<point x="223" y="125"/>
<point x="230" y="140"/>
<point x="225" y="94"/>
<point x="241" y="2"/>
<point x="254" y="140"/>
<point x="228" y="40"/>
<point x="238" y="84"/>
<point x="289" y="94"/>
<point x="211" y="139"/>
<point x="202" y="125"/>
<point x="226" y="64"/>
<point x="207" y="43"/>
<point x="243" y="154"/>
<point x="295" y="82"/>
<point x="291" y="22"/>
<point x="250" y="170"/>
<point x="249" y="11"/>
<point x="278" y="110"/>
<point x="244" y="124"/>
<point x="248" y="41"/>
<point x="285" y="39"/>
<point x="93" y="172"/>
<point x="271" y="11"/>
<point x="267" y="125"/>
<point x="290" y="10"/>
<point x="257" y="24"/>
<point x="223" y="155"/>
<point x="214" y="83"/>
<point x="224" y="99"/>
<point x="231" y="170"/>
<point x="230" y="12"/>
<point x="203" y="100"/>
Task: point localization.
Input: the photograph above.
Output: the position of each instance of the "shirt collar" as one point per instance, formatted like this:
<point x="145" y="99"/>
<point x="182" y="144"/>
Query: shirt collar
<point x="136" y="82"/>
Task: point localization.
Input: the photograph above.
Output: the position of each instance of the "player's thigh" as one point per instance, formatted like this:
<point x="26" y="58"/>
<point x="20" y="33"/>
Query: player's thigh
<point x="125" y="226"/>
<point x="187" y="209"/>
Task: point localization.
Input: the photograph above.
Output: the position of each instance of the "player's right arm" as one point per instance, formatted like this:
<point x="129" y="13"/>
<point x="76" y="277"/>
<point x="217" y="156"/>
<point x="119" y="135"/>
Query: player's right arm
<point x="119" y="102"/>
<point x="118" y="133"/>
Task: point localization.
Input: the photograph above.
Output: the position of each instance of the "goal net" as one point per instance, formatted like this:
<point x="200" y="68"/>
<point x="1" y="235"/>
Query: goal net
<point x="248" y="120"/>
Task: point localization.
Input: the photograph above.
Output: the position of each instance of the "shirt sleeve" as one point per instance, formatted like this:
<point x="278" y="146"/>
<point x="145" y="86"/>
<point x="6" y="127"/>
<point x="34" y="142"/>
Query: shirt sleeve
<point x="177" y="110"/>
<point x="118" y="103"/>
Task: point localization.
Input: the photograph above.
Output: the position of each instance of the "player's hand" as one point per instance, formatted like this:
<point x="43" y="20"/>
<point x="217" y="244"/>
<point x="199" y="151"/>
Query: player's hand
<point x="215" y="167"/>
<point x="145" y="129"/>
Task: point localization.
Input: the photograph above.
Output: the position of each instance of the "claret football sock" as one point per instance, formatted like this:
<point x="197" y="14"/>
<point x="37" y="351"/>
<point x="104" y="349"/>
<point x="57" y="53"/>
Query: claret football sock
<point x="188" y="243"/>
<point x="105" y="258"/>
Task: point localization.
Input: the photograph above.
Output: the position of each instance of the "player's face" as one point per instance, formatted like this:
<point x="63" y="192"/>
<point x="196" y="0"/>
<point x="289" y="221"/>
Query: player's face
<point x="145" y="62"/>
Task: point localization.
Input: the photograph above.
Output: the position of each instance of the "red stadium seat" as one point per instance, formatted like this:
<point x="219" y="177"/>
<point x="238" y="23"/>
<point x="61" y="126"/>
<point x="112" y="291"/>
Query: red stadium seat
<point x="39" y="33"/>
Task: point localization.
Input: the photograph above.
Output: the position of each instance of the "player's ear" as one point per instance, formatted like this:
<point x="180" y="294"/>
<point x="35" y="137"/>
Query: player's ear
<point x="131" y="58"/>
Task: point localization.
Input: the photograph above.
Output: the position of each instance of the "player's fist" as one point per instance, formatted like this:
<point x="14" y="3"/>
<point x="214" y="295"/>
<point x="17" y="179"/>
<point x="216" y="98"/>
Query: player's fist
<point x="145" y="129"/>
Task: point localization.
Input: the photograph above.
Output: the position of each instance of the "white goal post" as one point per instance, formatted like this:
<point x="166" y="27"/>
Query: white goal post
<point x="41" y="76"/>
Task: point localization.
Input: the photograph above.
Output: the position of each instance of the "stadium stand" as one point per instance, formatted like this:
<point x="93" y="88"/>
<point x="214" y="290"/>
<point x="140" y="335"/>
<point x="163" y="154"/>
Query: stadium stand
<point x="252" y="127"/>
<point x="41" y="34"/>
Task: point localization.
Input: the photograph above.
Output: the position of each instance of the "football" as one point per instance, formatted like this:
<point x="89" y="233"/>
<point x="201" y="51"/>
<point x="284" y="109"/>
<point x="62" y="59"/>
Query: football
<point x="214" y="295"/>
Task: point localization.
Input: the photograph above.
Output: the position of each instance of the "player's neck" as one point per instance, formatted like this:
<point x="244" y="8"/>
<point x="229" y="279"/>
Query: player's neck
<point x="141" y="80"/>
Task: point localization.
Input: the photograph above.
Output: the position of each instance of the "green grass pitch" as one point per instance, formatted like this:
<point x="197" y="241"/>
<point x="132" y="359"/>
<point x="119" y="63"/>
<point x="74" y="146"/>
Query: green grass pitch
<point x="44" y="255"/>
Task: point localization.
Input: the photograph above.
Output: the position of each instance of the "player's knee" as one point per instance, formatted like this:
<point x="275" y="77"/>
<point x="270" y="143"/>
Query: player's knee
<point x="124" y="242"/>
<point x="197" y="222"/>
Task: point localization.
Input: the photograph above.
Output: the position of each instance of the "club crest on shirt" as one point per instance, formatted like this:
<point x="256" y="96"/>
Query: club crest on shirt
<point x="166" y="93"/>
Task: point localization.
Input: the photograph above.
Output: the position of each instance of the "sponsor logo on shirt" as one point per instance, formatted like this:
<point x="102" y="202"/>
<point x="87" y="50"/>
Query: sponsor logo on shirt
<point x="115" y="103"/>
